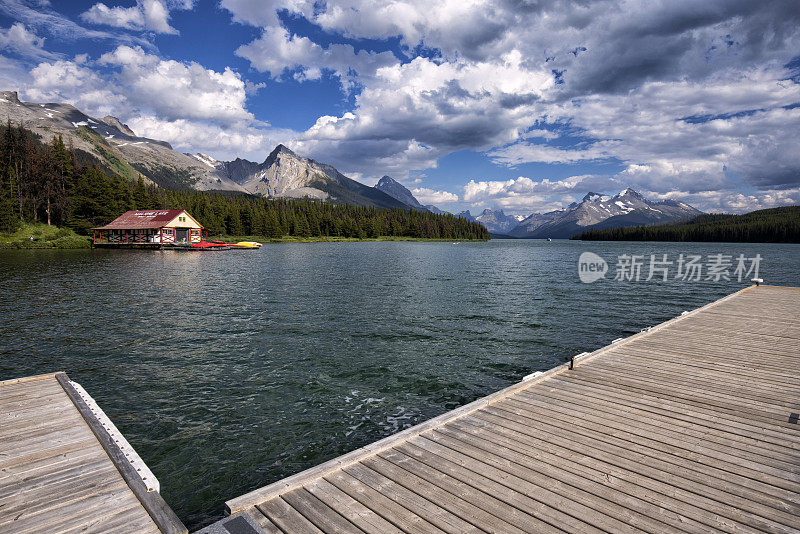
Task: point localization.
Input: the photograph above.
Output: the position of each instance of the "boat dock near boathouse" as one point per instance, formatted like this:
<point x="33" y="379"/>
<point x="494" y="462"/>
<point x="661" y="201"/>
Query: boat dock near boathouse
<point x="689" y="426"/>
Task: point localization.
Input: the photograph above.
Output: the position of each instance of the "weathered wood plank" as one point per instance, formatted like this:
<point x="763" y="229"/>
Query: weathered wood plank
<point x="464" y="487"/>
<point x="412" y="496"/>
<point x="54" y="474"/>
<point x="287" y="518"/>
<point x="398" y="515"/>
<point x="640" y="421"/>
<point x="352" y="510"/>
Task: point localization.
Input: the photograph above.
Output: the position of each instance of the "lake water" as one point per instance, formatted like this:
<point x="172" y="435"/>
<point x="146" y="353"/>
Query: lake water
<point x="229" y="370"/>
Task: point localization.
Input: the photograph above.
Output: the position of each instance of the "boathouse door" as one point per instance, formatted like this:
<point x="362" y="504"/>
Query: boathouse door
<point x="181" y="235"/>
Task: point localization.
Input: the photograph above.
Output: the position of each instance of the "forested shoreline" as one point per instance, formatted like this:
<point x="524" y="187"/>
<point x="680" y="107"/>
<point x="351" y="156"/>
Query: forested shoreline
<point x="775" y="225"/>
<point x="55" y="184"/>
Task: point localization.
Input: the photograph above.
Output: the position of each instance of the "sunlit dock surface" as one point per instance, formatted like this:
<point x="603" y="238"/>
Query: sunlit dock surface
<point x="61" y="471"/>
<point x="691" y="426"/>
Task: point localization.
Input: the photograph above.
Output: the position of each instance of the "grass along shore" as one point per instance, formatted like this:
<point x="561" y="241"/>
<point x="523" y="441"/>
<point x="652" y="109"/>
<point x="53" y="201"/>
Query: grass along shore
<point x="41" y="236"/>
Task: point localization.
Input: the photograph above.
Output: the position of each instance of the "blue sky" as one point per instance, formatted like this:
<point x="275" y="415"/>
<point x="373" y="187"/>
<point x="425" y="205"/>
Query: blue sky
<point x="510" y="104"/>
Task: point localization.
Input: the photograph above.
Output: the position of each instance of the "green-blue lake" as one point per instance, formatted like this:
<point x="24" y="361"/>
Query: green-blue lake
<point x="229" y="370"/>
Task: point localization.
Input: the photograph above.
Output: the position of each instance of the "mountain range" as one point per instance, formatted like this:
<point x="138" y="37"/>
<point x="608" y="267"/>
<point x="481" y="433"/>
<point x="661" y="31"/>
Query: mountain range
<point x="596" y="211"/>
<point x="284" y="174"/>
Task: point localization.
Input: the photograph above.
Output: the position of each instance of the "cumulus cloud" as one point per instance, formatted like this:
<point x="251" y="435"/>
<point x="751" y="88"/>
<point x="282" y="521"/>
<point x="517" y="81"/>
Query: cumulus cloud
<point x="146" y="15"/>
<point x="414" y="113"/>
<point x="276" y="51"/>
<point x="69" y="81"/>
<point x="186" y="104"/>
<point x="225" y="143"/>
<point x="174" y="89"/>
<point x="431" y="196"/>
<point x="143" y="82"/>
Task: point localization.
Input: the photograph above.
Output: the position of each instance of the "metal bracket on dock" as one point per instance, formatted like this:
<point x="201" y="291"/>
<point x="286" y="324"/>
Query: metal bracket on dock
<point x="147" y="476"/>
<point x="571" y="360"/>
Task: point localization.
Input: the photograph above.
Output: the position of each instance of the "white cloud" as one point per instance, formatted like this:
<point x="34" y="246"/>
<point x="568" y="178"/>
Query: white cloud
<point x="430" y="196"/>
<point x="38" y="15"/>
<point x="18" y="39"/>
<point x="524" y="195"/>
<point x="146" y="15"/>
<point x="412" y="114"/>
<point x="276" y="51"/>
<point x="526" y="153"/>
<point x="191" y="107"/>
<point x="223" y="143"/>
<point x="733" y="201"/>
<point x="68" y="81"/>
<point x="175" y="90"/>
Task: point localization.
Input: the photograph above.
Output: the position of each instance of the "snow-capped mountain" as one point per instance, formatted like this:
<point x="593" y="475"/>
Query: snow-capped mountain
<point x="496" y="222"/>
<point x="595" y="211"/>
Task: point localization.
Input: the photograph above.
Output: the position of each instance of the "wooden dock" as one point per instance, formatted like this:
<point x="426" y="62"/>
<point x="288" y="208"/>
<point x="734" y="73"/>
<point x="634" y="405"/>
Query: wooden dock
<point x="61" y="471"/>
<point x="691" y="426"/>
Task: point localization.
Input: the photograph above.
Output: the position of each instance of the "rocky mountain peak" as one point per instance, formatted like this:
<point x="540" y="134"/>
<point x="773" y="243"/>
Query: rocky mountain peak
<point x="592" y="197"/>
<point x="398" y="191"/>
<point x="386" y="180"/>
<point x="496" y="221"/>
<point x="10" y="96"/>
<point x="116" y="123"/>
<point x="498" y="213"/>
<point x="280" y="150"/>
<point x="628" y="192"/>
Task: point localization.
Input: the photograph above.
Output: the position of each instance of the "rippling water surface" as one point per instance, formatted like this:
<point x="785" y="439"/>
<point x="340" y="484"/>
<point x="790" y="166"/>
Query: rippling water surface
<point x="229" y="370"/>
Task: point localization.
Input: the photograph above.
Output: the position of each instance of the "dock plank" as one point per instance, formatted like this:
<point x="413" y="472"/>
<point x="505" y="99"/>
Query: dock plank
<point x="55" y="475"/>
<point x="684" y="427"/>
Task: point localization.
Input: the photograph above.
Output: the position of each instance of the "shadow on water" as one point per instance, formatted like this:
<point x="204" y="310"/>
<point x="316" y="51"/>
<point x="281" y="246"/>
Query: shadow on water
<point x="228" y="371"/>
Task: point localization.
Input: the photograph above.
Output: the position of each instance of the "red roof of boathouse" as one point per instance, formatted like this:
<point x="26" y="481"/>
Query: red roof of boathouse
<point x="142" y="219"/>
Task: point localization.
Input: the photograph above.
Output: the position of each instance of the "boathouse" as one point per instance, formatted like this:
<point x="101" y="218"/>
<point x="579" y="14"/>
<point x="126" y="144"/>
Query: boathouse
<point x="151" y="226"/>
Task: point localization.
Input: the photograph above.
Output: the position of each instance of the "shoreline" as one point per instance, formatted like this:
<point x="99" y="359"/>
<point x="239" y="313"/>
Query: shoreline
<point x="52" y="238"/>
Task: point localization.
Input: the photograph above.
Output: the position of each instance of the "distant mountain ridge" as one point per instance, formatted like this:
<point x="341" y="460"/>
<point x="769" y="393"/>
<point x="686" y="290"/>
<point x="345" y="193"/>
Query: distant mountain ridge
<point x="495" y="221"/>
<point x="596" y="211"/>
